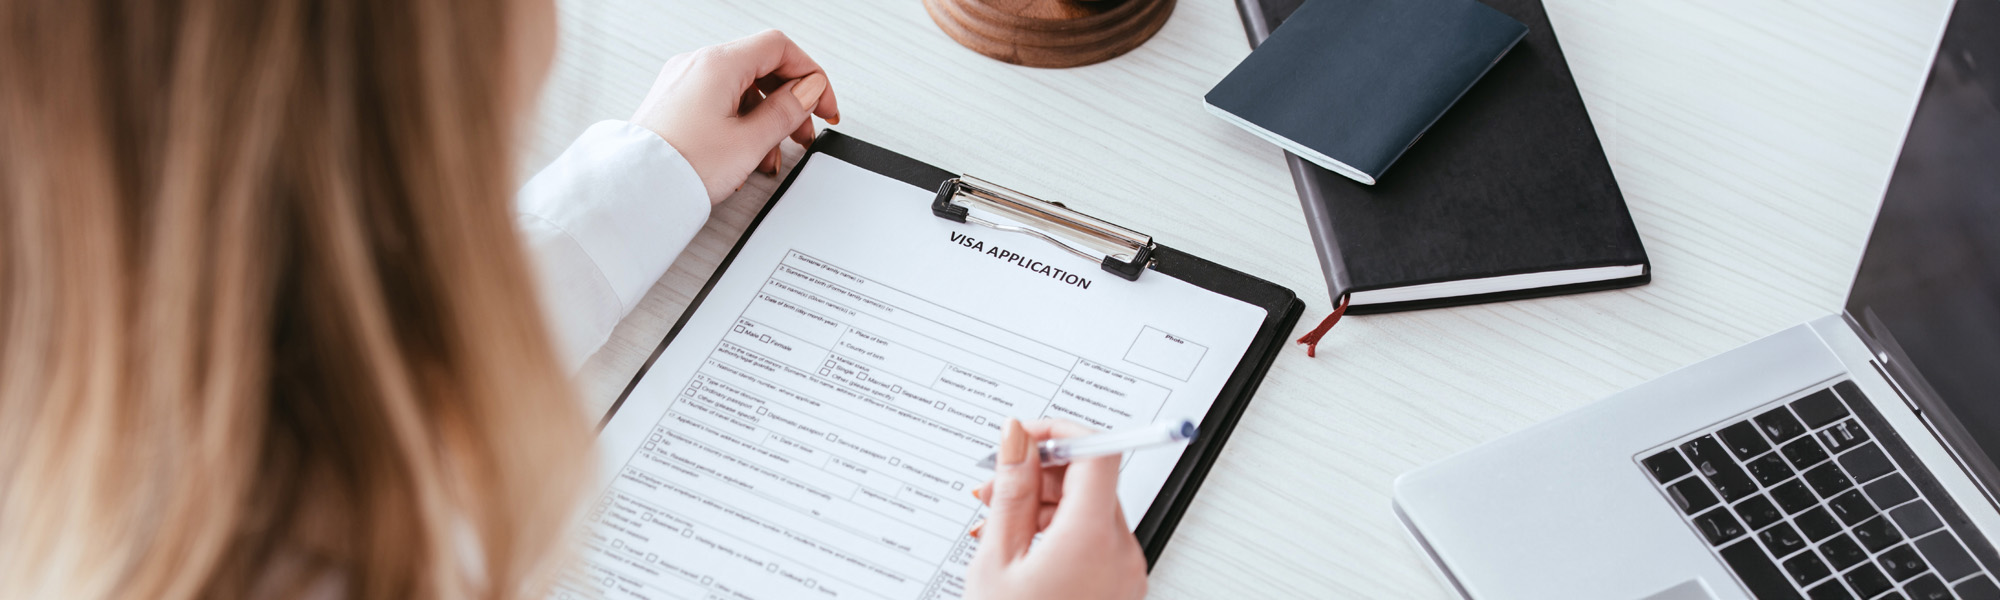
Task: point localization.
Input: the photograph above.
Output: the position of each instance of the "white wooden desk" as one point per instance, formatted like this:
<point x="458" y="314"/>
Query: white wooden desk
<point x="1752" y="139"/>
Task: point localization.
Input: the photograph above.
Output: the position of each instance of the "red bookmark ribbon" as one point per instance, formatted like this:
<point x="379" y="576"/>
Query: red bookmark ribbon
<point x="1311" y="338"/>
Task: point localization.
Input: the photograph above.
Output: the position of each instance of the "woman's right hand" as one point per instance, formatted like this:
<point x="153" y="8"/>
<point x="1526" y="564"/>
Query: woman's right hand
<point x="1086" y="550"/>
<point x="726" y="107"/>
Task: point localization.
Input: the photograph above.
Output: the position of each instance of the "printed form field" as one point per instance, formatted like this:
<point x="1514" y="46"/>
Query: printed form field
<point x="825" y="447"/>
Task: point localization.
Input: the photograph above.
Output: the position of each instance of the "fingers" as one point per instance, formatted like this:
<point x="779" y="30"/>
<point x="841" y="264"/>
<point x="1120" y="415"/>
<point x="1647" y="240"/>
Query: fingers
<point x="1016" y="498"/>
<point x="1052" y="480"/>
<point x="774" y="158"/>
<point x="770" y="83"/>
<point x="1090" y="494"/>
<point x="771" y="54"/>
<point x="769" y="165"/>
<point x="1042" y="429"/>
<point x="749" y="101"/>
<point x="783" y="111"/>
<point x="1041" y="521"/>
<point x="804" y="134"/>
<point x="1052" y="483"/>
<point x="781" y="114"/>
<point x="829" y="107"/>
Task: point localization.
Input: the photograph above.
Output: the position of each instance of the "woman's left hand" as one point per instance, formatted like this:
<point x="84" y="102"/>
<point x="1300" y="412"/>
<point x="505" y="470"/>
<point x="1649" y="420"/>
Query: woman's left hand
<point x="727" y="107"/>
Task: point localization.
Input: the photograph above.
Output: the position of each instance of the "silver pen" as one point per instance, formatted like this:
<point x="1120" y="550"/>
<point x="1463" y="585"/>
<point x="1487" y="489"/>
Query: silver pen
<point x="1062" y="451"/>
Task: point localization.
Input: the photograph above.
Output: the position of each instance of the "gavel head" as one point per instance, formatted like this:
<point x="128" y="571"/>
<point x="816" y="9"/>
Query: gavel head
<point x="1050" y="33"/>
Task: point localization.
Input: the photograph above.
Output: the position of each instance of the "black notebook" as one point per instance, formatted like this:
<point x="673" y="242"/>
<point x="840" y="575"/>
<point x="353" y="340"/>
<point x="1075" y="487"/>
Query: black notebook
<point x="1351" y="84"/>
<point x="1509" y="196"/>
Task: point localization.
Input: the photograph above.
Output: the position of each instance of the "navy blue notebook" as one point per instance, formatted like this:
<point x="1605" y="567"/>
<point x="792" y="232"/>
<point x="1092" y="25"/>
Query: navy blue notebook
<point x="1509" y="196"/>
<point x="1351" y="84"/>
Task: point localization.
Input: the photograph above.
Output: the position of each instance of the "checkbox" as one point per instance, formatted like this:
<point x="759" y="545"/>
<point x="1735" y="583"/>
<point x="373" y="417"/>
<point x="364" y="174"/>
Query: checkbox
<point x="648" y="517"/>
<point x="610" y="582"/>
<point x="739" y="329"/>
<point x="618" y="543"/>
<point x="893" y="461"/>
<point x="772" y="567"/>
<point x="979" y="420"/>
<point x="652" y="557"/>
<point x="824" y="372"/>
<point x="896" y="388"/>
<point x="832" y="437"/>
<point x="655" y="438"/>
<point x="688" y="392"/>
<point x="765" y="338"/>
<point x="940" y="405"/>
<point x="761" y="410"/>
<point x="812" y="583"/>
<point x="650" y="445"/>
<point x="955" y="486"/>
<point x="687" y="532"/>
<point x="705" y="580"/>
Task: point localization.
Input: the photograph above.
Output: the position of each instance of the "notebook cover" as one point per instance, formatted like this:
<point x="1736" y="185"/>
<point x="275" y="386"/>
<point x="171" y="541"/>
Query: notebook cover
<point x="1512" y="180"/>
<point x="1358" y="81"/>
<point x="1282" y="309"/>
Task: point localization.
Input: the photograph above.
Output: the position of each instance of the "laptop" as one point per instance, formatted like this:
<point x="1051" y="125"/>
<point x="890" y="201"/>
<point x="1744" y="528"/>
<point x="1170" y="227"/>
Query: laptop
<point x="1853" y="456"/>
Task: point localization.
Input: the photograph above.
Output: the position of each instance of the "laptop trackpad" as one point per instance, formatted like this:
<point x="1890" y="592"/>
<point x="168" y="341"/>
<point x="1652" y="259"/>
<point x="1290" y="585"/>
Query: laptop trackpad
<point x="1691" y="589"/>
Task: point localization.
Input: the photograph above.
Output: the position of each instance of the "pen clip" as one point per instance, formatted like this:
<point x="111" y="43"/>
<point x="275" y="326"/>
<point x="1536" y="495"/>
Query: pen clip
<point x="1123" y="252"/>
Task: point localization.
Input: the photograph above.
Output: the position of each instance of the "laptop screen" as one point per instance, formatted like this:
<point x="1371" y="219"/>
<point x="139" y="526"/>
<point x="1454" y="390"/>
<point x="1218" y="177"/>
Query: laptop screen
<point x="1928" y="290"/>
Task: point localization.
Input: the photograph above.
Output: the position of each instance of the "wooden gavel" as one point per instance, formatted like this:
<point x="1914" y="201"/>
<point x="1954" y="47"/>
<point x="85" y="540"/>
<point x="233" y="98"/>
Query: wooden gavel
<point x="1050" y="33"/>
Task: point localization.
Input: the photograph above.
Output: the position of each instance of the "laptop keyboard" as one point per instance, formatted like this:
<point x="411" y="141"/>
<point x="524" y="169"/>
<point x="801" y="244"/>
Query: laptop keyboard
<point x="1818" y="498"/>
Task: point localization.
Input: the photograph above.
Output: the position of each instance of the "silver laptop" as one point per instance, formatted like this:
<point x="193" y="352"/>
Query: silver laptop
<point x="1853" y="456"/>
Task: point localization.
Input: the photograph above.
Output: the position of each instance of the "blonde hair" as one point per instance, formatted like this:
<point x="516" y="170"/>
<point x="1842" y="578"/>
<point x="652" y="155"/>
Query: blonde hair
<point x="265" y="325"/>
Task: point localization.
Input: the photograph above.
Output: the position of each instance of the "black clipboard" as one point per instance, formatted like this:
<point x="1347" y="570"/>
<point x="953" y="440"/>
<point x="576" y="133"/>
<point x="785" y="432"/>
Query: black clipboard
<point x="1282" y="309"/>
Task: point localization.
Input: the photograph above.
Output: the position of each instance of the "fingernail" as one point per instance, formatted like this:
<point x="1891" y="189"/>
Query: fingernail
<point x="833" y="121"/>
<point x="809" y="89"/>
<point x="976" y="496"/>
<point x="1013" y="444"/>
<point x="976" y="527"/>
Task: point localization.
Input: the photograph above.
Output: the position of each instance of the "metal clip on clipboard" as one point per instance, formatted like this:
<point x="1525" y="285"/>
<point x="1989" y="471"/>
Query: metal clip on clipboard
<point x="1121" y="251"/>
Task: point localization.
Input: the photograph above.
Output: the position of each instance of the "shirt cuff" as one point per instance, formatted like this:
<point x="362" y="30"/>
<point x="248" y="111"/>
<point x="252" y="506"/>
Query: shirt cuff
<point x="605" y="220"/>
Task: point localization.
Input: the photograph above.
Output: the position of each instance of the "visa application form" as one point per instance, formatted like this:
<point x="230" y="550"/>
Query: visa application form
<point x="812" y="430"/>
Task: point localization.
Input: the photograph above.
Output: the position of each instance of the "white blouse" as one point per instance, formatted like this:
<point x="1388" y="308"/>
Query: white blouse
<point x="602" y="223"/>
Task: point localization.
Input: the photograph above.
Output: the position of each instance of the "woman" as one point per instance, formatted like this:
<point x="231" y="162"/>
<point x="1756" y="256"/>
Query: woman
<point x="267" y="327"/>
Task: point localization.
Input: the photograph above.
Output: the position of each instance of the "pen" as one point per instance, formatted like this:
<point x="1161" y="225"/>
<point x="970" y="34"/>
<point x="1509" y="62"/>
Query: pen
<point x="1062" y="451"/>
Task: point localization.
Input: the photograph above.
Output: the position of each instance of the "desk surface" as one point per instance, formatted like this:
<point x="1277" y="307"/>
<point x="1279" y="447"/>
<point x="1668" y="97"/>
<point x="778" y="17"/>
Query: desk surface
<point x="1752" y="140"/>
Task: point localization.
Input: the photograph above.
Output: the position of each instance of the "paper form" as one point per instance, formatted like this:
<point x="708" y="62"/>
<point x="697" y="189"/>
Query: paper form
<point x="812" y="431"/>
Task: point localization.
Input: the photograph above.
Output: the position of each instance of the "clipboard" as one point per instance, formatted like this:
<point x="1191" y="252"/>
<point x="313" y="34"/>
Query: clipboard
<point x="1124" y="252"/>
